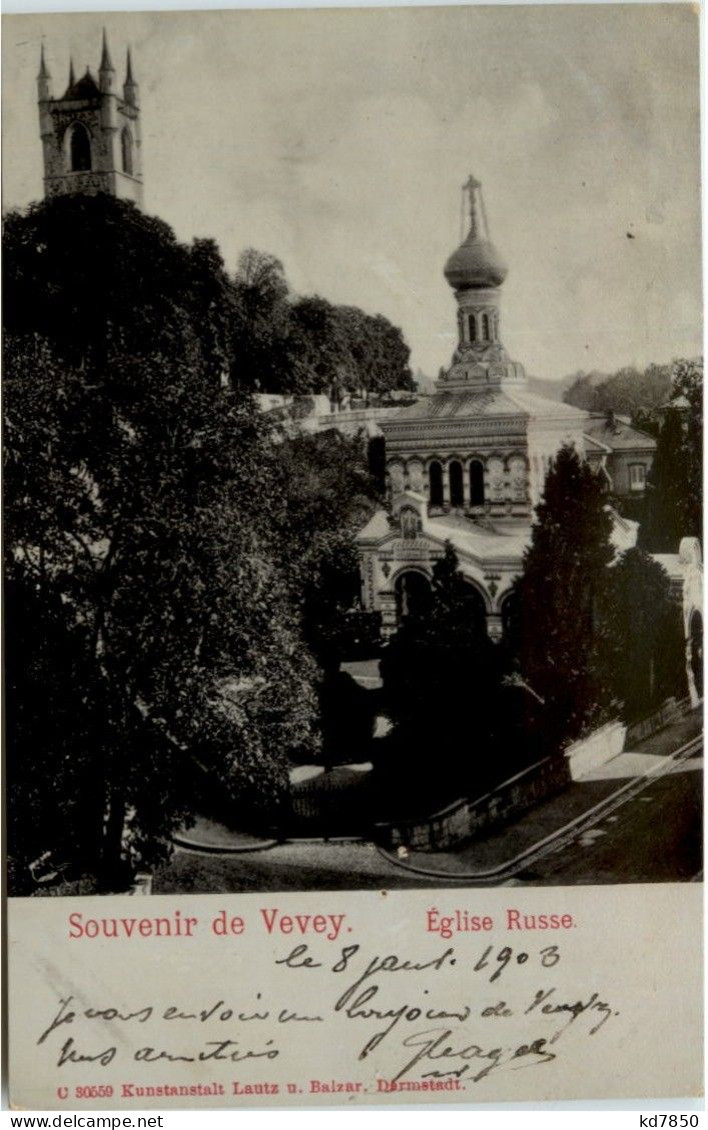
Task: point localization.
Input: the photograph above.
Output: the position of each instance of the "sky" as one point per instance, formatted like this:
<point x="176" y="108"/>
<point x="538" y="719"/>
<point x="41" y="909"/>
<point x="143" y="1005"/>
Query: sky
<point x="339" y="139"/>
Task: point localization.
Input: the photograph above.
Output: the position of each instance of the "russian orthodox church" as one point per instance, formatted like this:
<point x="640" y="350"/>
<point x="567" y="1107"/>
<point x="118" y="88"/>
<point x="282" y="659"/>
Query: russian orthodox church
<point x="91" y="135"/>
<point x="467" y="465"/>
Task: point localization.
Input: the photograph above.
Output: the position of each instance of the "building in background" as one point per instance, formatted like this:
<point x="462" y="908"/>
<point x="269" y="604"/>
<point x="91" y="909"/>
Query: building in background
<point x="623" y="453"/>
<point x="91" y="135"/>
<point x="467" y="465"/>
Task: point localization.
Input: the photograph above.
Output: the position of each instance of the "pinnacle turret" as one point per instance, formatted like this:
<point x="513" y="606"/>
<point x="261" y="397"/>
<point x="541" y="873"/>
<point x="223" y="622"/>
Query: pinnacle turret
<point x="130" y="86"/>
<point x="43" y="69"/>
<point x="44" y="78"/>
<point x="106" y="64"/>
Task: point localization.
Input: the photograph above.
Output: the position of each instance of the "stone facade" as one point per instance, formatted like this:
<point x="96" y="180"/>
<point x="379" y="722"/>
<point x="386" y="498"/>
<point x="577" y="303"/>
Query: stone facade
<point x="91" y="140"/>
<point x="468" y="464"/>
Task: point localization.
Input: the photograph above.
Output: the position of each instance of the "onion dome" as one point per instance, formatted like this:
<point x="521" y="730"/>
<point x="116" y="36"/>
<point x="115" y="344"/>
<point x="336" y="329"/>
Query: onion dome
<point x="476" y="264"/>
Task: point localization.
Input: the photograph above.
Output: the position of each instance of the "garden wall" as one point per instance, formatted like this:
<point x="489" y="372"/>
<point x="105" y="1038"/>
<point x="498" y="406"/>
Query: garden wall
<point x="670" y="710"/>
<point x="596" y="749"/>
<point x="465" y="819"/>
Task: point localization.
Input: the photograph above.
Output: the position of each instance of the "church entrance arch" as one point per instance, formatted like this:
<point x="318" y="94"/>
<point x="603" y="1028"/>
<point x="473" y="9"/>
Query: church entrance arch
<point x="435" y="474"/>
<point x="457" y="496"/>
<point x="476" y="483"/>
<point x="413" y="593"/>
<point x="476" y="606"/>
<point x="696" y="651"/>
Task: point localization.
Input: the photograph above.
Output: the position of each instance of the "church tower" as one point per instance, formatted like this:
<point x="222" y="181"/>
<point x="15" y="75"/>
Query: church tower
<point x="91" y="135"/>
<point x="476" y="272"/>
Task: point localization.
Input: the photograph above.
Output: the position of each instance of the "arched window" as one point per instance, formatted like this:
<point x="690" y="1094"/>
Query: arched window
<point x="457" y="497"/>
<point x="126" y="150"/>
<point x="485" y="327"/>
<point x="476" y="483"/>
<point x="79" y="148"/>
<point x="436" y="484"/>
<point x="472" y="322"/>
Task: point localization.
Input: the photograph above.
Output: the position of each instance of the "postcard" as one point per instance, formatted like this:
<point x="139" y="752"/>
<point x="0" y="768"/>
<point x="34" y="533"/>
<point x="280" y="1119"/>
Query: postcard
<point x="353" y="411"/>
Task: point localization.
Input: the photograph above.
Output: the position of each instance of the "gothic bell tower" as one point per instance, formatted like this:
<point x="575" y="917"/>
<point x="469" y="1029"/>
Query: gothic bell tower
<point x="91" y="135"/>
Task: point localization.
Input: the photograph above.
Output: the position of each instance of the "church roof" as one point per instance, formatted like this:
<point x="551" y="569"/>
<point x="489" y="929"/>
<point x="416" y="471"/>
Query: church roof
<point x="494" y="543"/>
<point x="496" y="400"/>
<point x="376" y="528"/>
<point x="617" y="434"/>
<point x="86" y="87"/>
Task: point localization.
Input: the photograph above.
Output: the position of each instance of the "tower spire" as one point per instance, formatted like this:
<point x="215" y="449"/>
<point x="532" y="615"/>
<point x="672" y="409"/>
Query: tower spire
<point x="130" y="86"/>
<point x="471" y="186"/>
<point x="106" y="64"/>
<point x="44" y="79"/>
<point x="43" y="69"/>
<point x="72" y="76"/>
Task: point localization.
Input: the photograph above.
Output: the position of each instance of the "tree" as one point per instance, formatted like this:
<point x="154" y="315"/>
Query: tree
<point x="260" y="327"/>
<point x="666" y="512"/>
<point x="687" y="379"/>
<point x="282" y="344"/>
<point x="327" y="496"/>
<point x="441" y="683"/>
<point x="141" y="533"/>
<point x="628" y="391"/>
<point x="319" y="350"/>
<point x="645" y="654"/>
<point x="558" y="628"/>
<point x="95" y="277"/>
<point x="379" y="355"/>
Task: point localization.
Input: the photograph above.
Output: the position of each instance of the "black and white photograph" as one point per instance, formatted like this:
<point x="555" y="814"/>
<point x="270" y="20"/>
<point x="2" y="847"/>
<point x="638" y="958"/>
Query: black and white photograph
<point x="353" y="583"/>
<point x="352" y="449"/>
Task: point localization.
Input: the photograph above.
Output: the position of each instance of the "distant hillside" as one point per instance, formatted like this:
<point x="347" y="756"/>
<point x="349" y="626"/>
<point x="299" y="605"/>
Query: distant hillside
<point x="629" y="390"/>
<point x="551" y="390"/>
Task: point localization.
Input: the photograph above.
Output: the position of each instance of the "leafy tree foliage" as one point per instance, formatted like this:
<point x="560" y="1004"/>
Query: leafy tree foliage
<point x="260" y="357"/>
<point x="644" y="658"/>
<point x="558" y="631"/>
<point x="673" y="505"/>
<point x="141" y="505"/>
<point x="688" y="384"/>
<point x="441" y="680"/>
<point x="95" y="277"/>
<point x="282" y="344"/>
<point x="628" y="391"/>
<point x="666" y="506"/>
<point x="328" y="495"/>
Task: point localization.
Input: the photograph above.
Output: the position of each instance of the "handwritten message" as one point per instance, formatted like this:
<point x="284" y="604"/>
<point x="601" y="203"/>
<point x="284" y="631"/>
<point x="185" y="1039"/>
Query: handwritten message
<point x="380" y="995"/>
